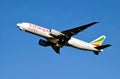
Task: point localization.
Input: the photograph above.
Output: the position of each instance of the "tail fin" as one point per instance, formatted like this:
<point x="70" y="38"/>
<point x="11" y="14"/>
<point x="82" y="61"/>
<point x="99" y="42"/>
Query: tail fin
<point x="98" y="42"/>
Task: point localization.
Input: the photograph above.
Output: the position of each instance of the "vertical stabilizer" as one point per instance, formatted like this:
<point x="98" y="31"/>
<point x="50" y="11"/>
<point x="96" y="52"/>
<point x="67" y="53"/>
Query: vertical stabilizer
<point x="98" y="42"/>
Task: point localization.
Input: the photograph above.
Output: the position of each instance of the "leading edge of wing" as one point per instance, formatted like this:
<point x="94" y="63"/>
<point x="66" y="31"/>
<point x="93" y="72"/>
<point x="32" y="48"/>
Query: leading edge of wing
<point x="73" y="31"/>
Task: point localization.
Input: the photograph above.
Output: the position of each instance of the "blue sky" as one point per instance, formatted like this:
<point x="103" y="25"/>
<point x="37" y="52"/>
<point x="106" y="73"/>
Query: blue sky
<point x="22" y="58"/>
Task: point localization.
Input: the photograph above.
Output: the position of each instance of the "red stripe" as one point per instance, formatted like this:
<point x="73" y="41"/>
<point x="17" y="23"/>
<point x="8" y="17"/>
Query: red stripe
<point x="96" y="45"/>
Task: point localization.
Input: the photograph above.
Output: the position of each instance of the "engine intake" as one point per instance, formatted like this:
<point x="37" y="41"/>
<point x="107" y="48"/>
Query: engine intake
<point x="43" y="43"/>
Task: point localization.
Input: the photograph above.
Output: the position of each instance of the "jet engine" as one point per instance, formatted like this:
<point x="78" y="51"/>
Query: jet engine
<point x="43" y="43"/>
<point x="55" y="33"/>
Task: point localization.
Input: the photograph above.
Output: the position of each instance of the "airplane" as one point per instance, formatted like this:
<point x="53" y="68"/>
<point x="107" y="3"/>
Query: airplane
<point x="58" y="39"/>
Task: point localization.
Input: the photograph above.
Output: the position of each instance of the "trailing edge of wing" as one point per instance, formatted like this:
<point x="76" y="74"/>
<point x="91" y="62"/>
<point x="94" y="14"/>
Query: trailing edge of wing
<point x="73" y="31"/>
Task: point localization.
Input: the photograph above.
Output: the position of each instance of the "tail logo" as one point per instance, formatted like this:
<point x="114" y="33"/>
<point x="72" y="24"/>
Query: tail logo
<point x="97" y="42"/>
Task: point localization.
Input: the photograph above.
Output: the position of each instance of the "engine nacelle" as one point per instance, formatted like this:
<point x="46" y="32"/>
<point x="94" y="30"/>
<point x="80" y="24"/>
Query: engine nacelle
<point x="43" y="43"/>
<point x="55" y="33"/>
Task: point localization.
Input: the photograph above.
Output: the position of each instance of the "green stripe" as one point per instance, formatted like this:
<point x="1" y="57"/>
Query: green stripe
<point x="99" y="40"/>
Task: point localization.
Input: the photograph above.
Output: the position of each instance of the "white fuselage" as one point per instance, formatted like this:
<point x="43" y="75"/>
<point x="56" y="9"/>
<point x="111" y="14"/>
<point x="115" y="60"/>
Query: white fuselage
<point x="44" y="32"/>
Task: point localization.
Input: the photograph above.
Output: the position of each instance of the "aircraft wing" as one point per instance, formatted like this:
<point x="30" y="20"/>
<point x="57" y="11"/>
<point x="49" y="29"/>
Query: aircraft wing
<point x="56" y="49"/>
<point x="73" y="31"/>
<point x="64" y="36"/>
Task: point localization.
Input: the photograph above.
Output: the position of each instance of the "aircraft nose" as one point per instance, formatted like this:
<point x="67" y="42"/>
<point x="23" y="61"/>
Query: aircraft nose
<point x="18" y="24"/>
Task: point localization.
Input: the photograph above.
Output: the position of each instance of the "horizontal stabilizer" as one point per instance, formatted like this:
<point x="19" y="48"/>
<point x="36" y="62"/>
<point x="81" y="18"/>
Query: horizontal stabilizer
<point x="100" y="47"/>
<point x="103" y="46"/>
<point x="96" y="53"/>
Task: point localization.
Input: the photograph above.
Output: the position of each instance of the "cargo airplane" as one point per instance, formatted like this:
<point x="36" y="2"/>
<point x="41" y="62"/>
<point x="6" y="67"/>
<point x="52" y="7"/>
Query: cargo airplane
<point x="57" y="39"/>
